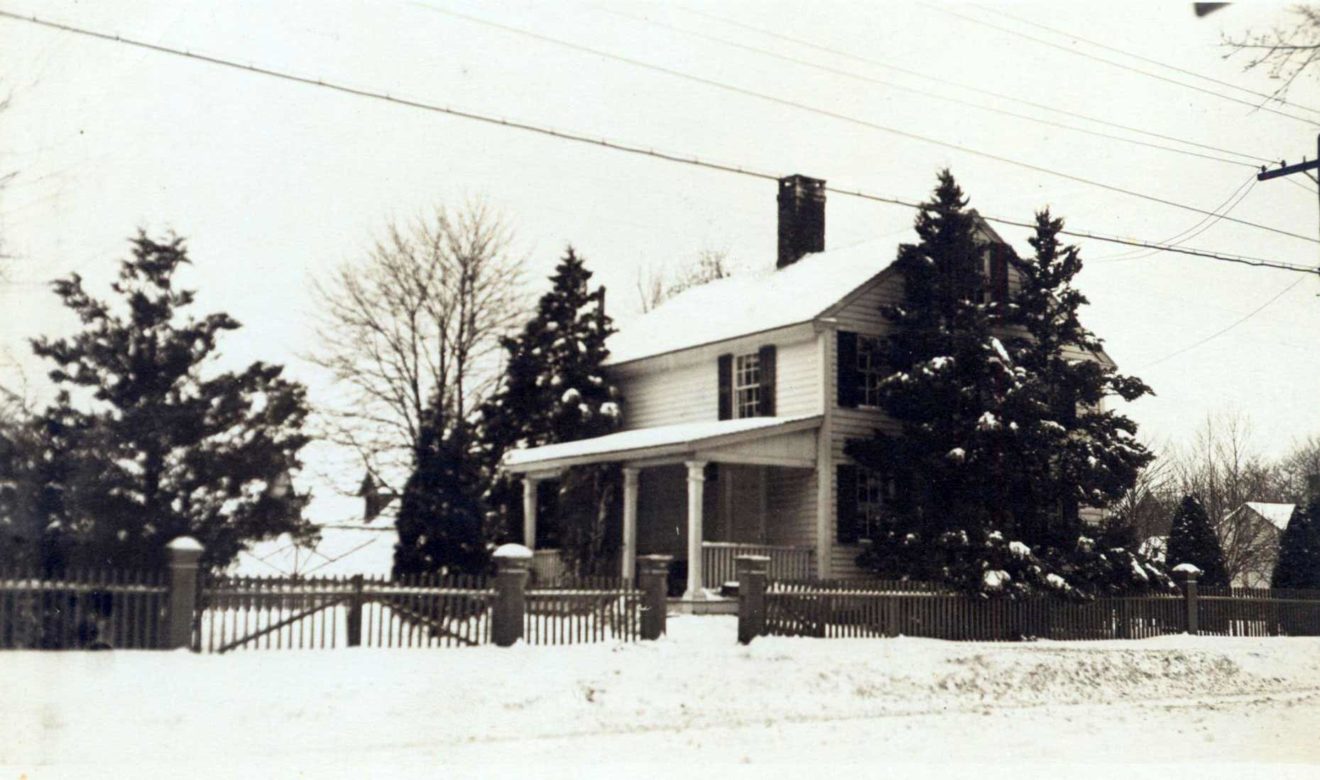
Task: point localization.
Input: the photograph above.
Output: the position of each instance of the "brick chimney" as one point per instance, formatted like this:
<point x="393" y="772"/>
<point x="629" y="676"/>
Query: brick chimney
<point x="801" y="218"/>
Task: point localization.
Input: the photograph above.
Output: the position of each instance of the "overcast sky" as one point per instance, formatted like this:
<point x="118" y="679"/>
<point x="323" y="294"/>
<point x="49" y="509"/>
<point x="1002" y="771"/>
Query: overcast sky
<point x="275" y="183"/>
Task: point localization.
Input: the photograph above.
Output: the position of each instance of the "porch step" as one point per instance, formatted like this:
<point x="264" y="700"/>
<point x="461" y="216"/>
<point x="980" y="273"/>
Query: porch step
<point x="704" y="607"/>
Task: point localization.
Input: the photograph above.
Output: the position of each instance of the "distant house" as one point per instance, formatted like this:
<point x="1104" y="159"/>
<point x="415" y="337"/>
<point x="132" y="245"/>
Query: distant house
<point x="739" y="396"/>
<point x="1255" y="528"/>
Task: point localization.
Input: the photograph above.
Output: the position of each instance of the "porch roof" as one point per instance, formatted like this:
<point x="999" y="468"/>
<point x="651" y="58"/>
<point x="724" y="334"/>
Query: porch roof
<point x="714" y="440"/>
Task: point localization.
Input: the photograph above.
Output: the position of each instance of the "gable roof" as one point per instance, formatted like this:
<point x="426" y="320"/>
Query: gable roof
<point x="1277" y="515"/>
<point x="752" y="303"/>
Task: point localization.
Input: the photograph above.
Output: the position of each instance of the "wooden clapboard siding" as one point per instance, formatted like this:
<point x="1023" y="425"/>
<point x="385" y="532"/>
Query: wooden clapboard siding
<point x="683" y="387"/>
<point x="796" y="380"/>
<point x="791" y="503"/>
<point x="680" y="394"/>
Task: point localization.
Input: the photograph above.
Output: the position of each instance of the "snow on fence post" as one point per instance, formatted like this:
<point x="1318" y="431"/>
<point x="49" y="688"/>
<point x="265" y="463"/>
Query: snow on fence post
<point x="512" y="565"/>
<point x="1186" y="575"/>
<point x="353" y="623"/>
<point x="653" y="580"/>
<point x="752" y="571"/>
<point x="184" y="553"/>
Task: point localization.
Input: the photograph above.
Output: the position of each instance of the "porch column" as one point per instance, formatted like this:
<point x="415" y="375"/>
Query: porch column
<point x="529" y="511"/>
<point x="628" y="565"/>
<point x="696" y="483"/>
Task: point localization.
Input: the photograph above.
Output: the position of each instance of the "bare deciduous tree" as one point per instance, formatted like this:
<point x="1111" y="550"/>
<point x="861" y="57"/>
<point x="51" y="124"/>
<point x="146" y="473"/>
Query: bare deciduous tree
<point x="655" y="286"/>
<point x="1286" y="50"/>
<point x="418" y="319"/>
<point x="1221" y="468"/>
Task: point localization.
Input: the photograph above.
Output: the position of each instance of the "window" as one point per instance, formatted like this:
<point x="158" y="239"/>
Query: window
<point x="869" y="370"/>
<point x="873" y="493"/>
<point x="747" y="385"/>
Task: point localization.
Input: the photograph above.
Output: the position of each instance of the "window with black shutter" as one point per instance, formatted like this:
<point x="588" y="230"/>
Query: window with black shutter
<point x="725" y="368"/>
<point x="846" y="512"/>
<point x="848" y="381"/>
<point x="999" y="273"/>
<point x="766" y="399"/>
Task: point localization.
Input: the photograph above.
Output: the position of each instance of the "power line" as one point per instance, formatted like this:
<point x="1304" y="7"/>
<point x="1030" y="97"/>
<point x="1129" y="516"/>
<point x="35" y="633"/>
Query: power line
<point x="919" y="92"/>
<point x="630" y="148"/>
<point x="849" y="118"/>
<point x="1265" y="95"/>
<point x="1227" y="328"/>
<point x="1114" y="64"/>
<point x="968" y="87"/>
<point x="1231" y="202"/>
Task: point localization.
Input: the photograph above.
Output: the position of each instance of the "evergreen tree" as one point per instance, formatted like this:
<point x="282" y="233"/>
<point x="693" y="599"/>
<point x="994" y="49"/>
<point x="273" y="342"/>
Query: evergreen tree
<point x="1192" y="540"/>
<point x="140" y="447"/>
<point x="555" y="390"/>
<point x="1068" y="450"/>
<point x="1299" y="550"/>
<point x="440" y="520"/>
<point x="1001" y="438"/>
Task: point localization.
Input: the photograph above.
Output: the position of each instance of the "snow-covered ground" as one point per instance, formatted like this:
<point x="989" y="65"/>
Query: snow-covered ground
<point x="695" y="698"/>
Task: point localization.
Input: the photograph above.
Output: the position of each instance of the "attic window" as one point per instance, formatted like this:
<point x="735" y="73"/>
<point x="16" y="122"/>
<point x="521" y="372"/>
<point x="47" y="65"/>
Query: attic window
<point x="747" y="385"/>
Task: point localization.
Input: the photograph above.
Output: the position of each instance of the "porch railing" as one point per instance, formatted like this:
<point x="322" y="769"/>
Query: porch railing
<point x="786" y="562"/>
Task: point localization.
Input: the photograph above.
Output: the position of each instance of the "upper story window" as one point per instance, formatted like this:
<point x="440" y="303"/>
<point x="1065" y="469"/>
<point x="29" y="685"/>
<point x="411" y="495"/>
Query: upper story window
<point x="747" y="385"/>
<point x="869" y="370"/>
<point x="993" y="270"/>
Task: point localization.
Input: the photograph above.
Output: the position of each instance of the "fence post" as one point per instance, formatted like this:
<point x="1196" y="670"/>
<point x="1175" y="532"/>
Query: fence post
<point x="653" y="579"/>
<point x="512" y="565"/>
<point x="354" y="621"/>
<point x="752" y="572"/>
<point x="183" y="554"/>
<point x="1186" y="574"/>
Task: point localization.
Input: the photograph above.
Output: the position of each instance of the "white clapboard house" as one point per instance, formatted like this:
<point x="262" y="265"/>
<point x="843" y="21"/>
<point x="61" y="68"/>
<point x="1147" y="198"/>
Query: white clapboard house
<point x="738" y="398"/>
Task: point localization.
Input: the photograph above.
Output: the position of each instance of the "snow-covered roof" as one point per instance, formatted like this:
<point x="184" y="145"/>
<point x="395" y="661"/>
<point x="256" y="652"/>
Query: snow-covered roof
<point x="1278" y="515"/>
<point x="653" y="441"/>
<point x="752" y="303"/>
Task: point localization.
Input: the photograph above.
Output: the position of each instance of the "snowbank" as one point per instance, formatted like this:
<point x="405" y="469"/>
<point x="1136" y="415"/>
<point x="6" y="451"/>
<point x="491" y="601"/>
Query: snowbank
<point x="329" y="709"/>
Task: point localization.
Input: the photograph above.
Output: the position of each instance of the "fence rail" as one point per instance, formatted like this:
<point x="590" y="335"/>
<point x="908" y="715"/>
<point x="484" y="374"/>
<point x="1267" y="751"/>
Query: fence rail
<point x="718" y="561"/>
<point x="81" y="609"/>
<point x="588" y="609"/>
<point x="326" y="612"/>
<point x="876" y="608"/>
<point x="218" y="614"/>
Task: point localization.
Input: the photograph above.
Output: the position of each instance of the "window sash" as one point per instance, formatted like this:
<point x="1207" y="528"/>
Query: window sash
<point x="873" y="494"/>
<point x="747" y="385"/>
<point x="869" y="371"/>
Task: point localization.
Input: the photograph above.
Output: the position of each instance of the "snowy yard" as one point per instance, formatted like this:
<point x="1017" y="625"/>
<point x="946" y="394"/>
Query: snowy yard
<point x="694" y="697"/>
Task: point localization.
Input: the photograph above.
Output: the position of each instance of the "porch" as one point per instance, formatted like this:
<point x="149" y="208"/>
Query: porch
<point x="703" y="493"/>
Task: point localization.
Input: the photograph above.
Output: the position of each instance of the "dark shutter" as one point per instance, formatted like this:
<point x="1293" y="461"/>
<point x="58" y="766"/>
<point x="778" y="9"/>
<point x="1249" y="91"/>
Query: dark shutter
<point x="999" y="273"/>
<point x="726" y="387"/>
<point x="848" y="380"/>
<point x="846" y="490"/>
<point x="767" y="363"/>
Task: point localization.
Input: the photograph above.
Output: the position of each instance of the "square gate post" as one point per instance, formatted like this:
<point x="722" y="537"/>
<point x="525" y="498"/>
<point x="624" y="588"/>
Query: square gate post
<point x="653" y="579"/>
<point x="752" y="571"/>
<point x="1186" y="575"/>
<point x="354" y="621"/>
<point x="183" y="553"/>
<point x="512" y="566"/>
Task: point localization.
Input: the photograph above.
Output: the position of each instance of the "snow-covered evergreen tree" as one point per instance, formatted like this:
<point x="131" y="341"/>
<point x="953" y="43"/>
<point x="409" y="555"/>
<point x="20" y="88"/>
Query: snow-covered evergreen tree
<point x="994" y="453"/>
<point x="1192" y="540"/>
<point x="140" y="446"/>
<point x="555" y="390"/>
<point x="1299" y="550"/>
<point x="1069" y="451"/>
<point x="441" y="514"/>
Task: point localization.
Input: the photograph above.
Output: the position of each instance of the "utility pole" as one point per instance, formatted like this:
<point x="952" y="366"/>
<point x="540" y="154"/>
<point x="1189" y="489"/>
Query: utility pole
<point x="1287" y="170"/>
